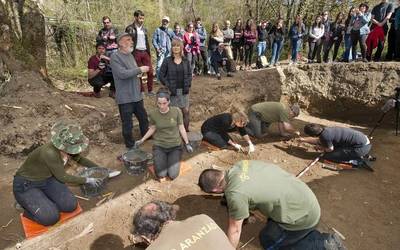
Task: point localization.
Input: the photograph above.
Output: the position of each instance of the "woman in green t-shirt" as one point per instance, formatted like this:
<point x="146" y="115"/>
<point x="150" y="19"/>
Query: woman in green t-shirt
<point x="166" y="127"/>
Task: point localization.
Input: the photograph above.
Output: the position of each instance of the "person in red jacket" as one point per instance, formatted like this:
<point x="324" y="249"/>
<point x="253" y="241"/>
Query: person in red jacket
<point x="191" y="42"/>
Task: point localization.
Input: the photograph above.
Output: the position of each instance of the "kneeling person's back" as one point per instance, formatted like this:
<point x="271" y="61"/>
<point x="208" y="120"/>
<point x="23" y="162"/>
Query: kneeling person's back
<point x="198" y="232"/>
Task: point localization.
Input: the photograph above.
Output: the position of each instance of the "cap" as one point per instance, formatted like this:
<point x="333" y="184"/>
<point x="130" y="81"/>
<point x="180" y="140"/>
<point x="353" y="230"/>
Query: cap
<point x="123" y="34"/>
<point x="165" y="18"/>
<point x="68" y="137"/>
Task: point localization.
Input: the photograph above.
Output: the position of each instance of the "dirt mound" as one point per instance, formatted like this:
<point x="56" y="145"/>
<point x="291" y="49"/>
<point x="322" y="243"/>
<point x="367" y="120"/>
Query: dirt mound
<point x="30" y="106"/>
<point x="339" y="90"/>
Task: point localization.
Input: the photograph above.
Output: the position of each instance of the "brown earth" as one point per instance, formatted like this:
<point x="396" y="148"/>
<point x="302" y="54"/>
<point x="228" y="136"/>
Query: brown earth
<point x="361" y="205"/>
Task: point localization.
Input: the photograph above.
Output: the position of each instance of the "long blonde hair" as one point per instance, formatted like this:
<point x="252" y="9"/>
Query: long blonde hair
<point x="238" y="115"/>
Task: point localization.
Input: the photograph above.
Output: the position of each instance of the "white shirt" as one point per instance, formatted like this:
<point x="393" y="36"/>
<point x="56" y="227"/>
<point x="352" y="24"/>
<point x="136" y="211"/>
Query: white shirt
<point x="141" y="38"/>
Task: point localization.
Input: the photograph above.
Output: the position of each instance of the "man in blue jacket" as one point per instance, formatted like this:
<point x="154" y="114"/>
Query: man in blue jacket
<point x="162" y="43"/>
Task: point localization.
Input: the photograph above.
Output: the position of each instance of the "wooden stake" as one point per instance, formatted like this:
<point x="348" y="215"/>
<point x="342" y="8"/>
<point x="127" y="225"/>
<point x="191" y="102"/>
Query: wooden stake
<point x="82" y="198"/>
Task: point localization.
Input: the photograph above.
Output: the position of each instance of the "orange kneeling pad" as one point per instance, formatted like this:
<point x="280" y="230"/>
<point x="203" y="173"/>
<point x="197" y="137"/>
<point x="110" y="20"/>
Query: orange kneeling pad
<point x="184" y="168"/>
<point x="32" y="228"/>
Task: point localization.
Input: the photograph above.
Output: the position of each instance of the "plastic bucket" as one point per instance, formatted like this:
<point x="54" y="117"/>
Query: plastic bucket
<point x="195" y="139"/>
<point x="135" y="161"/>
<point x="89" y="189"/>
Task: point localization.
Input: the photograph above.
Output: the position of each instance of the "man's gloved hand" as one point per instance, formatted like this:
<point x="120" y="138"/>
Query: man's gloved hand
<point x="189" y="148"/>
<point x="251" y="148"/>
<point x="93" y="181"/>
<point x="138" y="143"/>
<point x="237" y="147"/>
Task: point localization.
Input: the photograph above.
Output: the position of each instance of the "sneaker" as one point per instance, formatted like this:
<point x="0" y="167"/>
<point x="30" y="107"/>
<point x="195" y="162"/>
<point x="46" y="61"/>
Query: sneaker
<point x="367" y="165"/>
<point x="113" y="173"/>
<point x="229" y="75"/>
<point x="219" y="76"/>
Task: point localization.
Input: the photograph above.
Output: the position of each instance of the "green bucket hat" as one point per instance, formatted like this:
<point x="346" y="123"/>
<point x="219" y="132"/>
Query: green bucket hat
<point x="68" y="137"/>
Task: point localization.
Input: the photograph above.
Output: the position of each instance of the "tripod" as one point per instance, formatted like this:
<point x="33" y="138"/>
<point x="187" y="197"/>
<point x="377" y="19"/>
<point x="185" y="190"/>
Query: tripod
<point x="397" y="110"/>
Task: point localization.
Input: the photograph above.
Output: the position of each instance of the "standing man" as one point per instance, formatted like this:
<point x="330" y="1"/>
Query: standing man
<point x="108" y="36"/>
<point x="97" y="71"/>
<point x="228" y="36"/>
<point x="162" y="43"/>
<point x="201" y="31"/>
<point x="141" y="51"/>
<point x="263" y="114"/>
<point x="380" y="15"/>
<point x="128" y="95"/>
<point x="340" y="144"/>
<point x="289" y="204"/>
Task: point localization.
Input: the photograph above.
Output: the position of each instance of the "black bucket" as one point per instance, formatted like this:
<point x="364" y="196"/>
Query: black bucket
<point x="89" y="189"/>
<point x="195" y="139"/>
<point x="135" y="161"/>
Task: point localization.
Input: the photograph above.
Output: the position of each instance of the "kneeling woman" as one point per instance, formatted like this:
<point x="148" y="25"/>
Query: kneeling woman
<point x="215" y="130"/>
<point x="39" y="184"/>
<point x="166" y="127"/>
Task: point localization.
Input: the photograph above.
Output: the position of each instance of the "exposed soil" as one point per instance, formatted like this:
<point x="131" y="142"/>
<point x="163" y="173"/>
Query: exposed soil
<point x="360" y="204"/>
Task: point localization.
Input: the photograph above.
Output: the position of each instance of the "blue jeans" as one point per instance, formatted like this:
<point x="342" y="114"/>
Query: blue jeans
<point x="296" y="46"/>
<point x="43" y="200"/>
<point x="347" y="56"/>
<point x="276" y="51"/>
<point x="126" y="111"/>
<point x="261" y="48"/>
<point x="160" y="59"/>
<point x="274" y="237"/>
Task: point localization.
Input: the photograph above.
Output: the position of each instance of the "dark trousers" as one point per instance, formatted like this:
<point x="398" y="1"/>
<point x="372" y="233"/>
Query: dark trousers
<point x="126" y="111"/>
<point x="248" y="54"/>
<point x="237" y="51"/>
<point x="335" y="44"/>
<point x="313" y="48"/>
<point x="347" y="154"/>
<point x="201" y="62"/>
<point x="143" y="59"/>
<point x="397" y="47"/>
<point x="167" y="161"/>
<point x="391" y="38"/>
<point x="256" y="127"/>
<point x="100" y="80"/>
<point x="356" y="37"/>
<point x="217" y="139"/>
<point x="273" y="236"/>
<point x="43" y="200"/>
<point x="219" y="64"/>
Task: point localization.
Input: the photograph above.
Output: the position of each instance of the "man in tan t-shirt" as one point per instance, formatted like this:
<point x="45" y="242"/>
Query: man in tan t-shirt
<point x="155" y="225"/>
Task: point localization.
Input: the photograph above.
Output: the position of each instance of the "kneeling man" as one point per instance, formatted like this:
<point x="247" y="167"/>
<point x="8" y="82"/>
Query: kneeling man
<point x="155" y="225"/>
<point x="291" y="207"/>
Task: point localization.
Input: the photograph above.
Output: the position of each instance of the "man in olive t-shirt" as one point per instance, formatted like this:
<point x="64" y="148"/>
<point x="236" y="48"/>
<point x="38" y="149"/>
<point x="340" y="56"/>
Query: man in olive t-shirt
<point x="291" y="207"/>
<point x="155" y="225"/>
<point x="262" y="115"/>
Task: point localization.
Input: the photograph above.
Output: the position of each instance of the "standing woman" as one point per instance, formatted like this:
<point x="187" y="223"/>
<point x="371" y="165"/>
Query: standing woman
<point x="216" y="37"/>
<point x="337" y="31"/>
<point x="250" y="39"/>
<point x="237" y="42"/>
<point x="296" y="34"/>
<point x="175" y="74"/>
<point x="215" y="129"/>
<point x="177" y="33"/>
<point x="314" y="41"/>
<point x="360" y="31"/>
<point x="277" y="35"/>
<point x="166" y="127"/>
<point x="192" y="45"/>
<point x="347" y="37"/>
<point x="40" y="183"/>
